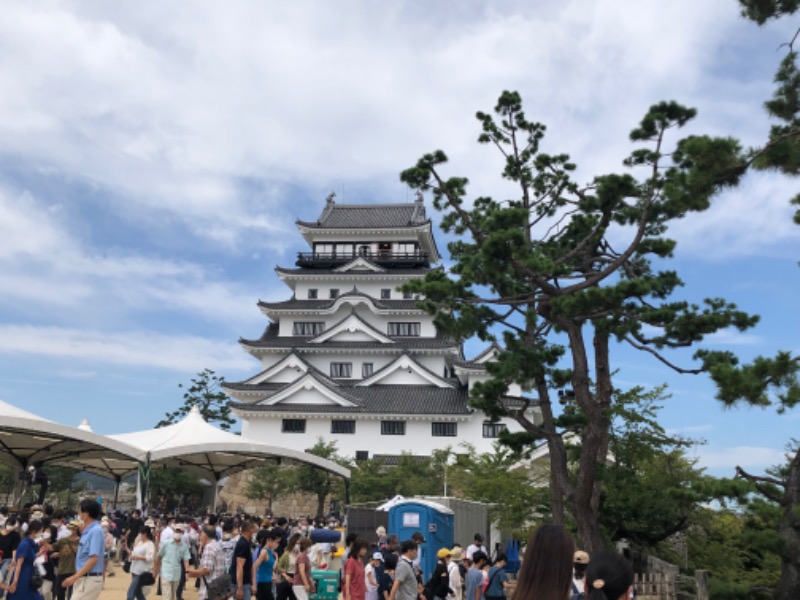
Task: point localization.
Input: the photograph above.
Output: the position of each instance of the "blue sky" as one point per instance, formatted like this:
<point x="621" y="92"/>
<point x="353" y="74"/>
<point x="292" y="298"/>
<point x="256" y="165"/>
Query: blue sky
<point x="153" y="159"/>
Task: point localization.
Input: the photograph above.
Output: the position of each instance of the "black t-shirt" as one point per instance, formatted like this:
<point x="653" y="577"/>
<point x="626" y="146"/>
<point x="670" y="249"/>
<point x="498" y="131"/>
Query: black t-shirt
<point x="385" y="583"/>
<point x="242" y="550"/>
<point x="9" y="543"/>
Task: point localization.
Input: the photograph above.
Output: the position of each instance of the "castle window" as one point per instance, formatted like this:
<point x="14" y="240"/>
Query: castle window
<point x="405" y="248"/>
<point x="407" y="295"/>
<point x="341" y="370"/>
<point x="294" y="426"/>
<point x="393" y="427"/>
<point x="386" y="293"/>
<point x="366" y="370"/>
<point x="343" y="426"/>
<point x="404" y="329"/>
<point x="362" y="455"/>
<point x="334" y="293"/>
<point x="444" y="429"/>
<point x="492" y="430"/>
<point x="312" y="294"/>
<point x="306" y="328"/>
<point x="323" y="249"/>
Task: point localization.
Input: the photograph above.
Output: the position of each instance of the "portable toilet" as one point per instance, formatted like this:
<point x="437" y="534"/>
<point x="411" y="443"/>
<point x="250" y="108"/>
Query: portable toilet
<point x="435" y="522"/>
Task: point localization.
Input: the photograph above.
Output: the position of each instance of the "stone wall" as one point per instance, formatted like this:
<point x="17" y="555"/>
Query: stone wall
<point x="292" y="506"/>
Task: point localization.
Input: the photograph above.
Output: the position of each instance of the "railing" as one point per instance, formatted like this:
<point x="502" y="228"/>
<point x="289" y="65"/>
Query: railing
<point x="326" y="259"/>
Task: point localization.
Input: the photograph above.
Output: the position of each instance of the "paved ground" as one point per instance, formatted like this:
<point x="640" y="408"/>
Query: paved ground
<point x="116" y="588"/>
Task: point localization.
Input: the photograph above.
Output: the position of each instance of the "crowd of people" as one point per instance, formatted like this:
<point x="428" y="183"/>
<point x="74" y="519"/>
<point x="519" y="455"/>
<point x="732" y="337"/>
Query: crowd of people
<point x="57" y="555"/>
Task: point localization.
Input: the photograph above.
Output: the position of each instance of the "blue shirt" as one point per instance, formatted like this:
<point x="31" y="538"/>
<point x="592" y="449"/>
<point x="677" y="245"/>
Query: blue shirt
<point x="172" y="554"/>
<point x="473" y="581"/>
<point x="93" y="543"/>
<point x="497" y="576"/>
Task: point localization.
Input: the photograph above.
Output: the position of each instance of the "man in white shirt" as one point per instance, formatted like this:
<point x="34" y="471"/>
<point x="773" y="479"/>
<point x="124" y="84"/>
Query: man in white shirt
<point x="475" y="546"/>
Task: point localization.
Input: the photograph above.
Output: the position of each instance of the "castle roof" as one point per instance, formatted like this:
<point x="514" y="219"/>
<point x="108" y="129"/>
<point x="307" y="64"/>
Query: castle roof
<point x="375" y="399"/>
<point x="294" y="303"/>
<point x="271" y="339"/>
<point x="369" y="216"/>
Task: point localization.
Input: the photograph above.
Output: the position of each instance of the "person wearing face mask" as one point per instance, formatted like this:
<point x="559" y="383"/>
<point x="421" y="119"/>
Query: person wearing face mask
<point x="172" y="555"/>
<point x="65" y="550"/>
<point x="474" y="546"/>
<point x="90" y="560"/>
<point x="9" y="541"/>
<point x="23" y="568"/>
<point x="49" y="561"/>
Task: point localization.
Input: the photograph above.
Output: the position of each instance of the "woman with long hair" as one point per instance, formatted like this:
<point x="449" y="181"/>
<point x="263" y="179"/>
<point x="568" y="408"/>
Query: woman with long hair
<point x="142" y="557"/>
<point x="285" y="570"/>
<point x="302" y="584"/>
<point x="66" y="550"/>
<point x="23" y="569"/>
<point x="355" y="584"/>
<point x="609" y="577"/>
<point x="546" y="572"/>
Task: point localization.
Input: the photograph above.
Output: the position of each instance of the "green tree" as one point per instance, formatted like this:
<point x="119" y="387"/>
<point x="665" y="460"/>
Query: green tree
<point x="651" y="490"/>
<point x="205" y="393"/>
<point x="7" y="481"/>
<point x="373" y="480"/>
<point x="542" y="271"/>
<point x="268" y="483"/>
<point x="313" y="480"/>
<point x="173" y="487"/>
<point x="500" y="479"/>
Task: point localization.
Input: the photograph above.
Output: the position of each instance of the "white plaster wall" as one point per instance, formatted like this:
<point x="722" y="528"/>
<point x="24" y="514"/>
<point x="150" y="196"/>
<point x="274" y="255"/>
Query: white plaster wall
<point x="417" y="440"/>
<point x="372" y="288"/>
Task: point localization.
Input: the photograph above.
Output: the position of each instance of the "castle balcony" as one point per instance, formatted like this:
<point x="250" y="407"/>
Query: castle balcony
<point x="328" y="260"/>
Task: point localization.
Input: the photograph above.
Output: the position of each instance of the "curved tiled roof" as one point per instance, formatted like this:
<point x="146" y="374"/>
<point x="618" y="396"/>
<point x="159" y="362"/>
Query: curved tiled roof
<point x="381" y="399"/>
<point x="294" y="303"/>
<point x="365" y="272"/>
<point x="271" y="339"/>
<point x="369" y="216"/>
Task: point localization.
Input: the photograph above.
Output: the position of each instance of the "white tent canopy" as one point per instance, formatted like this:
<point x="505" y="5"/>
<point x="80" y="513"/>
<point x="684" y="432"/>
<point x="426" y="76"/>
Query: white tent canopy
<point x="213" y="453"/>
<point x="27" y="439"/>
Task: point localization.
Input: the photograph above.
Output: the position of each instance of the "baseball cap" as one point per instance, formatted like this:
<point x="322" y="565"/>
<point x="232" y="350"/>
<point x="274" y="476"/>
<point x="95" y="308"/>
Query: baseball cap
<point x="377" y="556"/>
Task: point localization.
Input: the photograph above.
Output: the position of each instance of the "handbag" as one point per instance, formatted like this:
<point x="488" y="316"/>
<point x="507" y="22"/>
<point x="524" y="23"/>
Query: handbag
<point x="218" y="588"/>
<point x="36" y="581"/>
<point x="146" y="578"/>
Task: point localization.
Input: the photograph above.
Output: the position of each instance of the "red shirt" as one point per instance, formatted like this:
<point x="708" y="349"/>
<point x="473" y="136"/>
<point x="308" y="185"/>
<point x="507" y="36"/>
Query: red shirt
<point x="358" y="583"/>
<point x="302" y="559"/>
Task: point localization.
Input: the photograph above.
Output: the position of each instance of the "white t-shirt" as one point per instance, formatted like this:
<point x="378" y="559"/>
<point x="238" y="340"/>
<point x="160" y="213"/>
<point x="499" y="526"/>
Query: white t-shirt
<point x="369" y="569"/>
<point x="472" y="549"/>
<point x="166" y="535"/>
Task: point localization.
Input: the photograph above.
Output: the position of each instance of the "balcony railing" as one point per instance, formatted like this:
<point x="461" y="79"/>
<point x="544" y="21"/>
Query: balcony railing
<point x="323" y="260"/>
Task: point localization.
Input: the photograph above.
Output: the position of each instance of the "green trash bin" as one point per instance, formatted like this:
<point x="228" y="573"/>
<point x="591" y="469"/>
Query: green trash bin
<point x="326" y="584"/>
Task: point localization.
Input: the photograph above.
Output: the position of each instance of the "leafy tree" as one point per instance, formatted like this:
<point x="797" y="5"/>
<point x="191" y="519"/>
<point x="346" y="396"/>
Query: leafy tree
<point x="268" y="483"/>
<point x="7" y="481"/>
<point x="498" y="478"/>
<point x="542" y="271"/>
<point x="205" y="392"/>
<point x="313" y="480"/>
<point x="651" y="490"/>
<point x="373" y="480"/>
<point x="173" y="487"/>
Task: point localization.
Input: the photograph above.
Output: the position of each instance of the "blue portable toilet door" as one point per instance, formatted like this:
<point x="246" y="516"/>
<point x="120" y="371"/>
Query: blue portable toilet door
<point x="432" y="520"/>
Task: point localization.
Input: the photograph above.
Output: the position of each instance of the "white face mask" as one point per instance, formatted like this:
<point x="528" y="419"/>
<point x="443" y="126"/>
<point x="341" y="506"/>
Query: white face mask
<point x="11" y="527"/>
<point x="46" y="536"/>
<point x="178" y="537"/>
<point x="226" y="536"/>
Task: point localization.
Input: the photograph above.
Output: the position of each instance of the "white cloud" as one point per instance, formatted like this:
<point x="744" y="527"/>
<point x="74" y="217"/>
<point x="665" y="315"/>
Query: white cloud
<point x="184" y="353"/>
<point x="169" y="109"/>
<point x="747" y="457"/>
<point x="43" y="264"/>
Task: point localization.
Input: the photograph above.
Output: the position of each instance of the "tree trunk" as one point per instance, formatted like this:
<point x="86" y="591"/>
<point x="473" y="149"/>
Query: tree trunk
<point x="587" y="491"/>
<point x="560" y="487"/>
<point x="320" y="505"/>
<point x="789" y="529"/>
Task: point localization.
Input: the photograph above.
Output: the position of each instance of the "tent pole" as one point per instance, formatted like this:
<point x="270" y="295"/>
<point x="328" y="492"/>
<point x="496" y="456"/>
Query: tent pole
<point x="118" y="479"/>
<point x="216" y="487"/>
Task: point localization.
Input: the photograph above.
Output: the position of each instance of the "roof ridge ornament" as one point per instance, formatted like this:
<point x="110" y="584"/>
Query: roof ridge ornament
<point x="330" y="198"/>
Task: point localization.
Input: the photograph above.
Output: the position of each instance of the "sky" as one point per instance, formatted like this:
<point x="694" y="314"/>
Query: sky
<point x="155" y="156"/>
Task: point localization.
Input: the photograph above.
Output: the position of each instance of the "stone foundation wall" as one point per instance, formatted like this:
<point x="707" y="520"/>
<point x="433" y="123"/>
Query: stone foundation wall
<point x="234" y="495"/>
